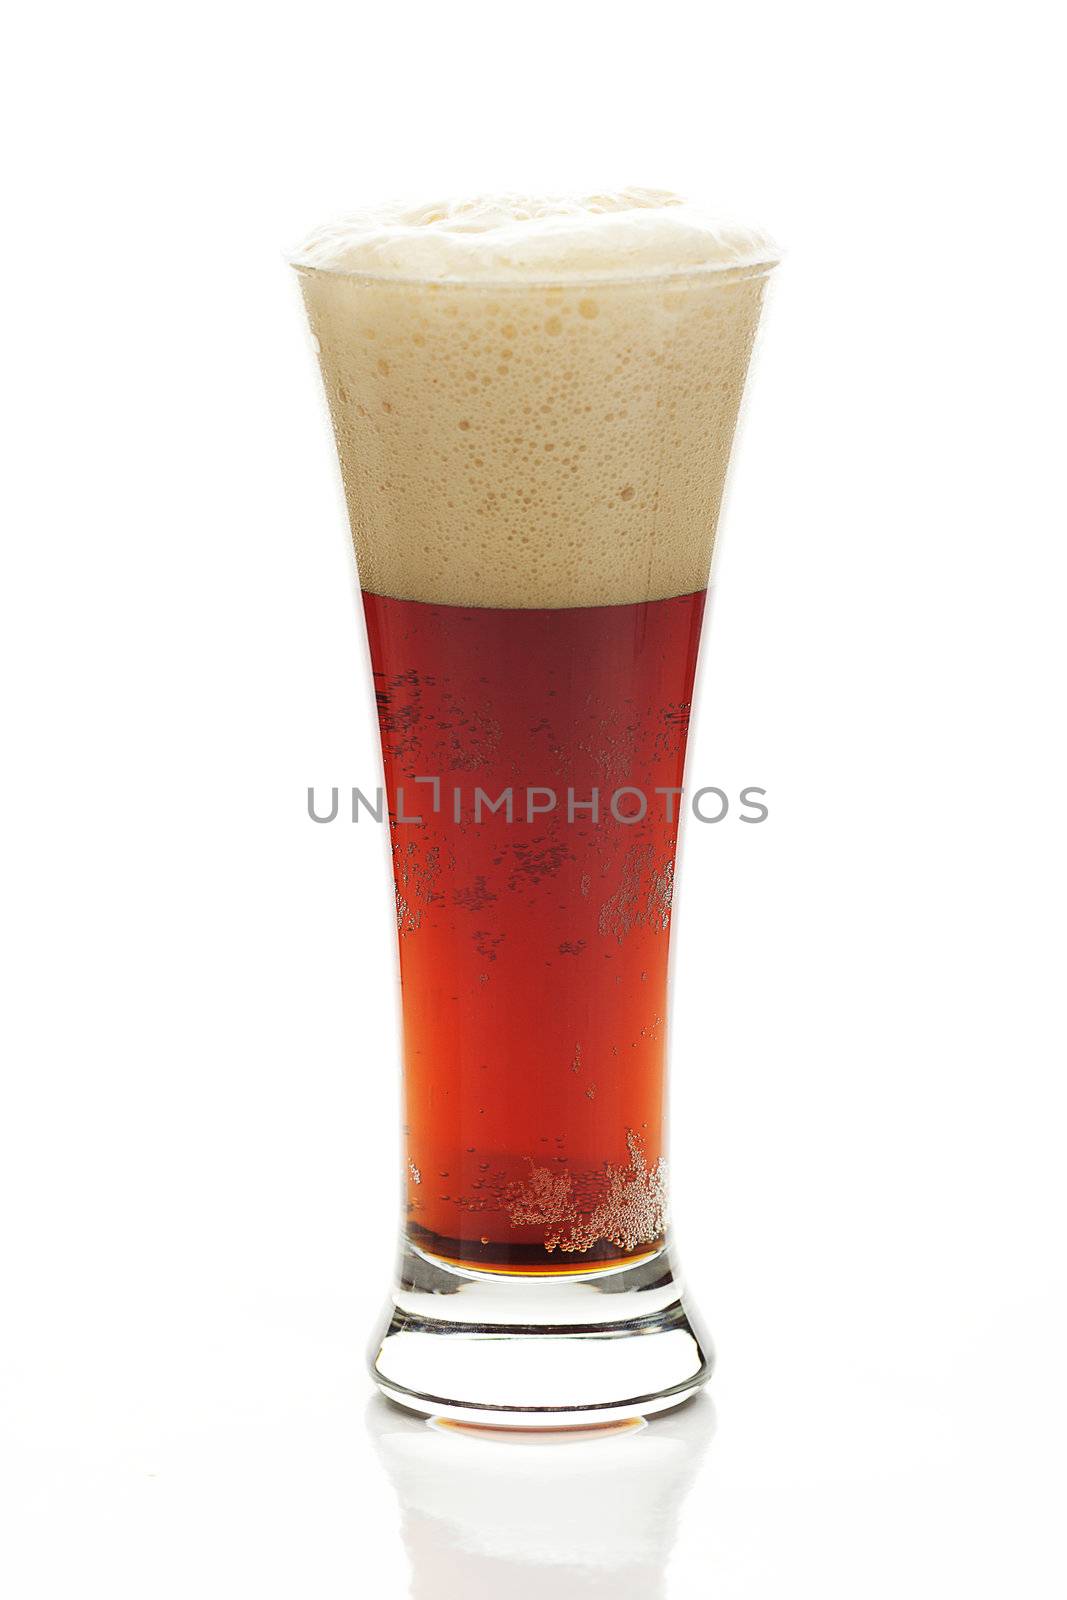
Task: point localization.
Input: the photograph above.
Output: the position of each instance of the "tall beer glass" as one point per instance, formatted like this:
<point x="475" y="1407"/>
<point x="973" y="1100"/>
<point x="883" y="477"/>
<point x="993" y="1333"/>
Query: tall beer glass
<point x="534" y="404"/>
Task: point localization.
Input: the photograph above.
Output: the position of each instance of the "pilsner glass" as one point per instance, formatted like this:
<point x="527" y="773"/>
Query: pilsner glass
<point x="533" y="457"/>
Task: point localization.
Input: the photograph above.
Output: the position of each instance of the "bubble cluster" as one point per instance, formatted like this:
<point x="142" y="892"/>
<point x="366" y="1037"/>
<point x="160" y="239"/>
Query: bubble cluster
<point x="521" y="443"/>
<point x="627" y="1206"/>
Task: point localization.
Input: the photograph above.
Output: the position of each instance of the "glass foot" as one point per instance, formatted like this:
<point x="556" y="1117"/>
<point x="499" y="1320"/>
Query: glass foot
<point x="539" y="1351"/>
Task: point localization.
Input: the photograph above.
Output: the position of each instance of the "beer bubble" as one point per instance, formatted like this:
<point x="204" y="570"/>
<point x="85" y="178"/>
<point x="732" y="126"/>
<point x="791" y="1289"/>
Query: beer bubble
<point x="622" y="1205"/>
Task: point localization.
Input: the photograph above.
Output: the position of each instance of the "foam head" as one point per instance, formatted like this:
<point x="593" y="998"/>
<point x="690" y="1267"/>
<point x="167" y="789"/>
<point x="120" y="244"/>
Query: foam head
<point x="534" y="399"/>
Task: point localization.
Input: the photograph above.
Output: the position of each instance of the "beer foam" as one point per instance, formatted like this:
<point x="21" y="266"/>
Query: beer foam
<point x="534" y="401"/>
<point x="501" y="238"/>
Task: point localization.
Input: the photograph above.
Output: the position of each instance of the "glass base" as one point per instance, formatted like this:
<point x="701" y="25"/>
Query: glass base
<point x="538" y="1351"/>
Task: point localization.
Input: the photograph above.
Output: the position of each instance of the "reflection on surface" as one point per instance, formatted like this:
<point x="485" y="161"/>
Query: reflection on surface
<point x="492" y="1513"/>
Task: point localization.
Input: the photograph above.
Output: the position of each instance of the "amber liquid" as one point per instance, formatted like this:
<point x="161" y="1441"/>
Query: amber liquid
<point x="533" y="952"/>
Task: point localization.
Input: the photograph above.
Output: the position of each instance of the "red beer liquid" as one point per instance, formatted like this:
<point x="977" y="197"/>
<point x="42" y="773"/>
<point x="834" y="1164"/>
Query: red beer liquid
<point x="533" y="952"/>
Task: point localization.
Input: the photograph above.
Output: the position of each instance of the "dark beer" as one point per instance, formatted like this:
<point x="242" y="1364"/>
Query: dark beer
<point x="543" y="751"/>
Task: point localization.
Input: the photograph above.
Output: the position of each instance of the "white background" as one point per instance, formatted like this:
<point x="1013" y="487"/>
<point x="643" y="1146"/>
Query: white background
<point x="198" y="1156"/>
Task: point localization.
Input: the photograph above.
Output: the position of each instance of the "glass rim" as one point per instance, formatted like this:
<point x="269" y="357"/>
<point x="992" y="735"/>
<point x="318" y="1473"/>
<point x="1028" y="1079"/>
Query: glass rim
<point x="698" y="272"/>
